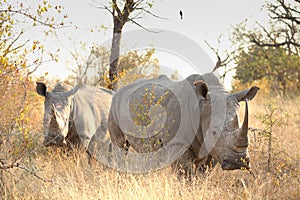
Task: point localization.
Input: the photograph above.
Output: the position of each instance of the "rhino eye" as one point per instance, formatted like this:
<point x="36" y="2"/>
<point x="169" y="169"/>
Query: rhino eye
<point x="228" y="128"/>
<point x="58" y="106"/>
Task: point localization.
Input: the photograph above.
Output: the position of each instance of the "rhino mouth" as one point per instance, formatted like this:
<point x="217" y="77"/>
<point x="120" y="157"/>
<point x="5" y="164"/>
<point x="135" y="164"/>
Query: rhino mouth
<point x="230" y="165"/>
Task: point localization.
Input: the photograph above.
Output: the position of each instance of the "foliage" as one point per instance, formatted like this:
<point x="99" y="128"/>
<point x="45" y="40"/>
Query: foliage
<point x="132" y="66"/>
<point x="271" y="51"/>
<point x="150" y="102"/>
<point x="275" y="144"/>
<point x="138" y="65"/>
<point x="273" y="117"/>
<point x="20" y="56"/>
<point x="16" y="20"/>
<point x="275" y="65"/>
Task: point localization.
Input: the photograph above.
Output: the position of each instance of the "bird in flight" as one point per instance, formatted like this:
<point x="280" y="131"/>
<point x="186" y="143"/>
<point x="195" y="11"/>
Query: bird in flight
<point x="181" y="14"/>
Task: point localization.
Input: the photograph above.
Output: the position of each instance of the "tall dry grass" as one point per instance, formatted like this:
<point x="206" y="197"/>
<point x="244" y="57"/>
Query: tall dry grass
<point x="73" y="178"/>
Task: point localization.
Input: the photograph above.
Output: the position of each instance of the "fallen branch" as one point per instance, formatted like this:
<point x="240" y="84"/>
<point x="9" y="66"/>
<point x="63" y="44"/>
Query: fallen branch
<point x="19" y="166"/>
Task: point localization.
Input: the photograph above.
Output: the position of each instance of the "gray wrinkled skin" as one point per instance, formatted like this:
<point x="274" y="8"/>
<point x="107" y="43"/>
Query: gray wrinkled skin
<point x="219" y="137"/>
<point x="73" y="116"/>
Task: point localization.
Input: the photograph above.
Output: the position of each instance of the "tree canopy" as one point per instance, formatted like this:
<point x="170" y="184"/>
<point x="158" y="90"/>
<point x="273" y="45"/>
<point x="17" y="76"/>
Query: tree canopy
<point x="271" y="54"/>
<point x="132" y="65"/>
<point x="269" y="63"/>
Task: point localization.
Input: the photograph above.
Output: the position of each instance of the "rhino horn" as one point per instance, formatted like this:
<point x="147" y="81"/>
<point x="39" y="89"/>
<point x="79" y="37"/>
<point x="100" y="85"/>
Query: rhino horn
<point x="73" y="91"/>
<point x="243" y="131"/>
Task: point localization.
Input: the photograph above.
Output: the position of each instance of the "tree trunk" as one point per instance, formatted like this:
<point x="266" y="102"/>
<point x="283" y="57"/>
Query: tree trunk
<point x="284" y="88"/>
<point x="114" y="59"/>
<point x="119" y="19"/>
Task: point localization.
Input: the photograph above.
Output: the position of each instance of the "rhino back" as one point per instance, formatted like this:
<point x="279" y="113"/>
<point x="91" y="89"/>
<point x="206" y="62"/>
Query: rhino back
<point x="135" y="102"/>
<point x="90" y="112"/>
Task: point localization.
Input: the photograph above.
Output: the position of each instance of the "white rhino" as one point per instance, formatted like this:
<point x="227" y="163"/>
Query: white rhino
<point x="74" y="116"/>
<point x="195" y="119"/>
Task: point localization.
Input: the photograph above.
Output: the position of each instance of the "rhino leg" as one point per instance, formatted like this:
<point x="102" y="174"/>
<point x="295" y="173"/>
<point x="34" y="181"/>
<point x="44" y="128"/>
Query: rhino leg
<point x="72" y="139"/>
<point x="116" y="134"/>
<point x="205" y="164"/>
<point x="184" y="166"/>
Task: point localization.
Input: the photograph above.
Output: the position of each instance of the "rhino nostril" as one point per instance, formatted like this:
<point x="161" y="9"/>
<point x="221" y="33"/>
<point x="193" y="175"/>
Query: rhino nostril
<point x="225" y="165"/>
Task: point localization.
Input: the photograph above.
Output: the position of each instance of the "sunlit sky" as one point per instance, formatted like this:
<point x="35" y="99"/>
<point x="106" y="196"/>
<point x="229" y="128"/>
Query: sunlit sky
<point x="202" y="20"/>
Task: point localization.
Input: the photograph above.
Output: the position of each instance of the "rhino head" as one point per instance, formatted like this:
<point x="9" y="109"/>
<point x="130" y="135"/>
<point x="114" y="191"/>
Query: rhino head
<point x="57" y="109"/>
<point x="222" y="135"/>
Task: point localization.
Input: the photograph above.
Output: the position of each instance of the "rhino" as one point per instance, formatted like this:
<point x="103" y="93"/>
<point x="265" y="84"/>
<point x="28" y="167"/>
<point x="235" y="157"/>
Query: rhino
<point x="74" y="117"/>
<point x="196" y="114"/>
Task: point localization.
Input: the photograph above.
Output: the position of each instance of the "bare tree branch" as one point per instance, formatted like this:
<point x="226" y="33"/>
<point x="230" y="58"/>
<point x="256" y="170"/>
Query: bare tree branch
<point x="143" y="27"/>
<point x="19" y="166"/>
<point x="9" y="50"/>
<point x="220" y="63"/>
<point x="151" y="13"/>
<point x="20" y="12"/>
<point x="116" y="8"/>
<point x="105" y="8"/>
<point x="287" y="14"/>
<point x="37" y="65"/>
<point x="262" y="44"/>
<point x="286" y="17"/>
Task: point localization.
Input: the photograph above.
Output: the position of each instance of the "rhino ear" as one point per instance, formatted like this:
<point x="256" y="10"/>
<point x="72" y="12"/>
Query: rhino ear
<point x="246" y="94"/>
<point x="201" y="88"/>
<point x="41" y="89"/>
